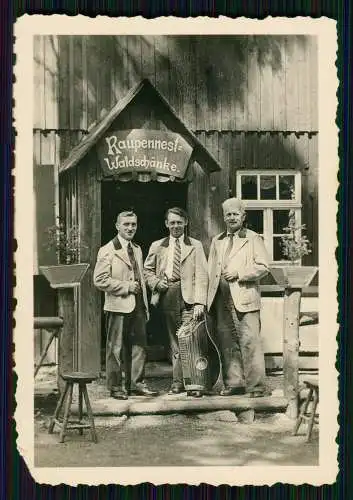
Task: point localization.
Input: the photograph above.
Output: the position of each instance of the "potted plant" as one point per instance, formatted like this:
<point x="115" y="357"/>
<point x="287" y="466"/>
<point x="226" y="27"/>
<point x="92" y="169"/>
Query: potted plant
<point x="66" y="242"/>
<point x="295" y="245"/>
<point x="66" y="276"/>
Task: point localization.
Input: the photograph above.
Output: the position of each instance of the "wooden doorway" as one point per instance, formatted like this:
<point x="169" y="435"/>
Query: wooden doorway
<point x="149" y="201"/>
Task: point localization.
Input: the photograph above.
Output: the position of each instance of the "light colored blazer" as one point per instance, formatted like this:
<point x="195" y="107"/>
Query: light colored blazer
<point x="113" y="273"/>
<point x="249" y="258"/>
<point x="193" y="269"/>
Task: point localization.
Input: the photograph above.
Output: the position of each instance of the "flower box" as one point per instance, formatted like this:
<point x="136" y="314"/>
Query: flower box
<point x="293" y="276"/>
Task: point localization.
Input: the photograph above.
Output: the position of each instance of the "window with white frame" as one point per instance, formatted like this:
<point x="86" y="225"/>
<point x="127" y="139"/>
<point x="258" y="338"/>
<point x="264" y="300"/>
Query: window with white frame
<point x="269" y="196"/>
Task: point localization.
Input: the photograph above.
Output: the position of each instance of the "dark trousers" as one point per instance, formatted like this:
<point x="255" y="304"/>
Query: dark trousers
<point x="126" y="344"/>
<point x="238" y="337"/>
<point x="175" y="311"/>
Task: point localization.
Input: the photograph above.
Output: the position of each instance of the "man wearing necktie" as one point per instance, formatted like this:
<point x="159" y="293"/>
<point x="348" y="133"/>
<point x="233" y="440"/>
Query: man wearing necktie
<point x="176" y="272"/>
<point x="119" y="273"/>
<point x="237" y="261"/>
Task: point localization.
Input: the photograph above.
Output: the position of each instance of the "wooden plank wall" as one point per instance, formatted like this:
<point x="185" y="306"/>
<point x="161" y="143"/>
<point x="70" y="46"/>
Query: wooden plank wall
<point x="252" y="101"/>
<point x="245" y="150"/>
<point x="90" y="298"/>
<point x="226" y="89"/>
<point x="234" y="150"/>
<point x="48" y="149"/>
<point x="213" y="83"/>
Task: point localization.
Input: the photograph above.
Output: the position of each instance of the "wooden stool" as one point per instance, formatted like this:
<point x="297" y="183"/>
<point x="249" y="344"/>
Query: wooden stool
<point x="304" y="416"/>
<point x="81" y="379"/>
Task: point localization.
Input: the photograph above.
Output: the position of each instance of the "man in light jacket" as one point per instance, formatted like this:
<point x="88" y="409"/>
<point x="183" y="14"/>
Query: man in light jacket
<point x="176" y="272"/>
<point x="119" y="273"/>
<point x="237" y="261"/>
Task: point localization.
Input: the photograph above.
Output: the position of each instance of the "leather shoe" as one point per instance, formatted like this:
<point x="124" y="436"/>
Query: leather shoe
<point x="141" y="389"/>
<point x="118" y="395"/>
<point x="232" y="391"/>
<point x="176" y="389"/>
<point x="194" y="394"/>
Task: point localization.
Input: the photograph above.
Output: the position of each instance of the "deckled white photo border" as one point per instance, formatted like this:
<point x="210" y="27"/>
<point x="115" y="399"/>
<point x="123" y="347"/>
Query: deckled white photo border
<point x="325" y="30"/>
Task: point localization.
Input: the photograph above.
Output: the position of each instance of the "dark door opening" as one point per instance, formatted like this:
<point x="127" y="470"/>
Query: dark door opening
<point x="150" y="202"/>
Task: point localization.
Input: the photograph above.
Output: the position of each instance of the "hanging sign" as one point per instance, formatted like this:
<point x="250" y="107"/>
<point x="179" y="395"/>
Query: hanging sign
<point x="144" y="150"/>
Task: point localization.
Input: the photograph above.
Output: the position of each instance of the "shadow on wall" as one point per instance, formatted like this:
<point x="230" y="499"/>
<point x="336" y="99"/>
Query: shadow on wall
<point x="205" y="78"/>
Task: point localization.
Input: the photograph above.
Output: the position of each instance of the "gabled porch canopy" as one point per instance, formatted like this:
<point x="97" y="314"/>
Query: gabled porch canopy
<point x="146" y="94"/>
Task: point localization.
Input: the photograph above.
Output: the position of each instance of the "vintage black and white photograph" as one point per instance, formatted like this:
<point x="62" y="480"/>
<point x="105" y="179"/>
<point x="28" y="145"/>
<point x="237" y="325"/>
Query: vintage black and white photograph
<point x="177" y="251"/>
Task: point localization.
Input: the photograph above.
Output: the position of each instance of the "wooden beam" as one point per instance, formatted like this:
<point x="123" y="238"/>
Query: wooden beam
<point x="89" y="300"/>
<point x="166" y="404"/>
<point x="66" y="336"/>
<point x="292" y="297"/>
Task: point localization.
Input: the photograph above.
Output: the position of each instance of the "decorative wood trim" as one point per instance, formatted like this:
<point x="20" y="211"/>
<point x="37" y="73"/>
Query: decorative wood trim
<point x="237" y="131"/>
<point x="80" y="150"/>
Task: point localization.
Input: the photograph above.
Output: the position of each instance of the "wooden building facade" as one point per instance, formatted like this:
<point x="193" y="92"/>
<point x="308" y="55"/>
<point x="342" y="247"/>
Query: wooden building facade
<point x="249" y="102"/>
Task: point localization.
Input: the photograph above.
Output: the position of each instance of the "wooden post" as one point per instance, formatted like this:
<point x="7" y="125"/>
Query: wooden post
<point x="291" y="310"/>
<point x="66" y="297"/>
<point x="66" y="279"/>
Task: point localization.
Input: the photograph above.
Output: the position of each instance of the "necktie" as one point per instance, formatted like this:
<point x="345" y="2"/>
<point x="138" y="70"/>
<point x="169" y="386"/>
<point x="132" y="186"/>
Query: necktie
<point x="176" y="261"/>
<point x="228" y="249"/>
<point x="135" y="268"/>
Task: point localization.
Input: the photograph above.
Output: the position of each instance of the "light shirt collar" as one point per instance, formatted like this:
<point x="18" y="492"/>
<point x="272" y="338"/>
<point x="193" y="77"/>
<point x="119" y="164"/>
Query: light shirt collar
<point x="123" y="241"/>
<point x="173" y="240"/>
<point x="234" y="234"/>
